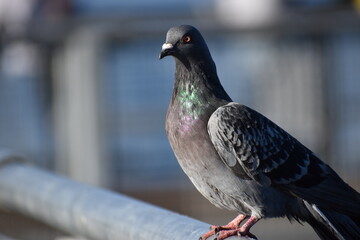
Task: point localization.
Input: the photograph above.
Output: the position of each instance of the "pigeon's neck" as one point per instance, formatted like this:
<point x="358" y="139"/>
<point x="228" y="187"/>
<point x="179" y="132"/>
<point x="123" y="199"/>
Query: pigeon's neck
<point x="197" y="91"/>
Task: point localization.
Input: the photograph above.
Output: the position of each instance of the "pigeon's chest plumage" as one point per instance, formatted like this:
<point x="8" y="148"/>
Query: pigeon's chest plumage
<point x="186" y="127"/>
<point x="189" y="139"/>
<point x="194" y="151"/>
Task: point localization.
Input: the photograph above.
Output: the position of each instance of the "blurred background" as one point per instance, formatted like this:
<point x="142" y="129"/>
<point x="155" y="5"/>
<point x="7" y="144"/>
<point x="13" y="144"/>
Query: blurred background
<point x="83" y="94"/>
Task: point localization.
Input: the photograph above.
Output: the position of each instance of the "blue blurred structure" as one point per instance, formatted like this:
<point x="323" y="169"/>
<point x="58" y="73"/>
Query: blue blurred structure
<point x="91" y="97"/>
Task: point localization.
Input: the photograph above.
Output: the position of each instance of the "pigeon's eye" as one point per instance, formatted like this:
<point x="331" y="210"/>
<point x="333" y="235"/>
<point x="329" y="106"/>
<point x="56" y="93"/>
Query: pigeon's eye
<point x="186" y="39"/>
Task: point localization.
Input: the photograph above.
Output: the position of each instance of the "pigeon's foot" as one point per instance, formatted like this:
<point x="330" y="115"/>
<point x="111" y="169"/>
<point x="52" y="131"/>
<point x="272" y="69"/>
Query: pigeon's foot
<point x="231" y="226"/>
<point x="234" y="232"/>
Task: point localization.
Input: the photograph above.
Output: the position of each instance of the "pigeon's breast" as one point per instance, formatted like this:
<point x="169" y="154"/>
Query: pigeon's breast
<point x="202" y="164"/>
<point x="191" y="143"/>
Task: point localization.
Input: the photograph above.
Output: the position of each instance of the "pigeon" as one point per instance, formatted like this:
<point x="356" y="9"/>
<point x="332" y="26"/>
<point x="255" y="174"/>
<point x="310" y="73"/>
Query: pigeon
<point x="242" y="161"/>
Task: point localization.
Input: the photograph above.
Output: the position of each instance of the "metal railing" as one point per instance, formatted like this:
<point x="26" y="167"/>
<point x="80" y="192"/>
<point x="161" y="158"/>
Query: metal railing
<point x="87" y="211"/>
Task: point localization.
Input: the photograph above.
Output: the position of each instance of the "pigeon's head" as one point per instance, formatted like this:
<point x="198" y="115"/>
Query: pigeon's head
<point x="186" y="44"/>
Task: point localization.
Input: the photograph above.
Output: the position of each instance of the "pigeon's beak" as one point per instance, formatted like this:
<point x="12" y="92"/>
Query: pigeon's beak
<point x="166" y="50"/>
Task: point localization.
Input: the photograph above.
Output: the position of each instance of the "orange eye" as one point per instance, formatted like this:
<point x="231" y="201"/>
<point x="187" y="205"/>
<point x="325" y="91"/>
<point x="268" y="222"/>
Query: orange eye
<point x="186" y="39"/>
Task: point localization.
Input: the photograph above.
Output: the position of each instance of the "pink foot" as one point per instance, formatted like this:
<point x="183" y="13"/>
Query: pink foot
<point x="234" y="224"/>
<point x="234" y="232"/>
<point x="232" y="229"/>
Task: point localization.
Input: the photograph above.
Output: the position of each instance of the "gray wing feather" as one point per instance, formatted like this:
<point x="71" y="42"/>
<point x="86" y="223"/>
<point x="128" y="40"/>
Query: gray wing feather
<point x="254" y="147"/>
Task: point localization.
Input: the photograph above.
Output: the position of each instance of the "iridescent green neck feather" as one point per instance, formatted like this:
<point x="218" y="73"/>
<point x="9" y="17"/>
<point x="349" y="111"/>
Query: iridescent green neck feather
<point x="190" y="100"/>
<point x="197" y="92"/>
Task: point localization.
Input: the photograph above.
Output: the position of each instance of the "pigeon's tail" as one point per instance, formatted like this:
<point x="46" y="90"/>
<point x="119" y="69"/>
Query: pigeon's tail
<point x="332" y="225"/>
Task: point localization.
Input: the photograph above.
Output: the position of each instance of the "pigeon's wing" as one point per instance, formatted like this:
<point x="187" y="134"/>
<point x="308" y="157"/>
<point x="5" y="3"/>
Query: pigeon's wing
<point x="256" y="148"/>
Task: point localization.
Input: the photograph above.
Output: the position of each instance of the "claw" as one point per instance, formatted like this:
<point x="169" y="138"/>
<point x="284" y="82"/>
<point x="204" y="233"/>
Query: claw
<point x="249" y="235"/>
<point x="212" y="227"/>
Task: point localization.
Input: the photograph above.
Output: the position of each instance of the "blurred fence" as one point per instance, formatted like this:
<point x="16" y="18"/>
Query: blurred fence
<point x="87" y="96"/>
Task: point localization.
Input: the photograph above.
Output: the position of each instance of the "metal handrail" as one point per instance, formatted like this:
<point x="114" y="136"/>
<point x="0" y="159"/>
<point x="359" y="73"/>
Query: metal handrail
<point x="88" y="211"/>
